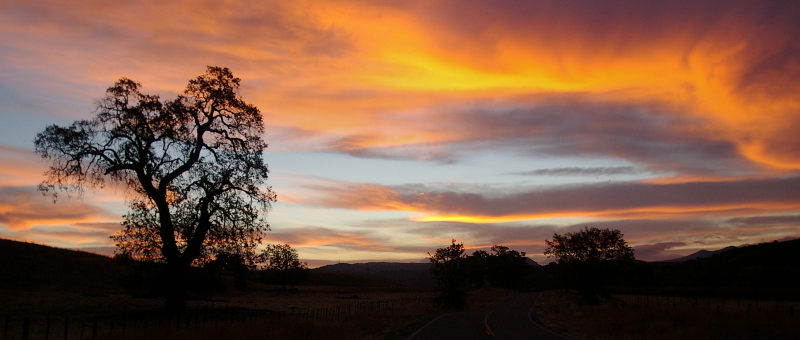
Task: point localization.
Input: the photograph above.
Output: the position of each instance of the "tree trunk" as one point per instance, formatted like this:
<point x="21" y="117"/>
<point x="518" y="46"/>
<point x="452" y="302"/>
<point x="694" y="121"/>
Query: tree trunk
<point x="175" y="288"/>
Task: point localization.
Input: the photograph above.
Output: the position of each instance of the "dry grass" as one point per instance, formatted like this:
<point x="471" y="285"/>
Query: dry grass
<point x="641" y="317"/>
<point x="396" y="323"/>
<point x="256" y="297"/>
<point x="262" y="311"/>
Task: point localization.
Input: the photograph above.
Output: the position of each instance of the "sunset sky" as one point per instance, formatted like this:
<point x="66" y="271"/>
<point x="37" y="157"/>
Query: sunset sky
<point x="395" y="126"/>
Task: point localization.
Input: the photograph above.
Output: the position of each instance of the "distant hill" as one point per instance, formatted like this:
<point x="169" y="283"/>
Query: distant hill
<point x="29" y="265"/>
<point x="413" y="274"/>
<point x="763" y="254"/>
<point x="701" y="254"/>
<point x="531" y="262"/>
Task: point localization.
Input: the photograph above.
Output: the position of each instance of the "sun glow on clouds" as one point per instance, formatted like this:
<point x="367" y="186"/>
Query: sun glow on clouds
<point x="684" y="93"/>
<point x="696" y="60"/>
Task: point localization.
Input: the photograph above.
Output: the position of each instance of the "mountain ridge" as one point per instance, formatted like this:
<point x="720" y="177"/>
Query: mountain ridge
<point x="700" y="254"/>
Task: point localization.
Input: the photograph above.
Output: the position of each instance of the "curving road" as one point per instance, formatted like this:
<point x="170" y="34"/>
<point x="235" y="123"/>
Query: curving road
<point x="508" y="319"/>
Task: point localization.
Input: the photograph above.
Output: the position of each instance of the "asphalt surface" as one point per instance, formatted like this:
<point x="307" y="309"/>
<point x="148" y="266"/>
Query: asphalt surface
<point x="508" y="319"/>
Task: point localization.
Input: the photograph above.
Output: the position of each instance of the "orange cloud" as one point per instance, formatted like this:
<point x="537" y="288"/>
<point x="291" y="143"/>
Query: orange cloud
<point x="23" y="207"/>
<point x="19" y="167"/>
<point x="647" y="212"/>
<point x="699" y="58"/>
<point x="315" y="237"/>
<point x="342" y="67"/>
<point x="78" y="235"/>
<point x="628" y="200"/>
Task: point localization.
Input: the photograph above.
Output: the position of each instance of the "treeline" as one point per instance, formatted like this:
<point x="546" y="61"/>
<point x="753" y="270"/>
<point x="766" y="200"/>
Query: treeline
<point x="277" y="264"/>
<point x="456" y="272"/>
<point x="587" y="260"/>
<point x="598" y="262"/>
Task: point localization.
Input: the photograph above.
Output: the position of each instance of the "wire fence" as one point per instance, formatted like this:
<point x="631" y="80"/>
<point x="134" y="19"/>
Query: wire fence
<point x="137" y="324"/>
<point x="712" y="304"/>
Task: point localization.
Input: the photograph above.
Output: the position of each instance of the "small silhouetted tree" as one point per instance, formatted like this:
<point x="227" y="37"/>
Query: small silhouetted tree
<point x="503" y="267"/>
<point x="506" y="267"/>
<point x="282" y="263"/>
<point x="589" y="258"/>
<point x="193" y="167"/>
<point x="449" y="269"/>
<point x="228" y="263"/>
<point x="477" y="268"/>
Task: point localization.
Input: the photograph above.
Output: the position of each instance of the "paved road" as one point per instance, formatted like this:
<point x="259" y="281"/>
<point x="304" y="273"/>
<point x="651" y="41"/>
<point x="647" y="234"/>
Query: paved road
<point x="508" y="319"/>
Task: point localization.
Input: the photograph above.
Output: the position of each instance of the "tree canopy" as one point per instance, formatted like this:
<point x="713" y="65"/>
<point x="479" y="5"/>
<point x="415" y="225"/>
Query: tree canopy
<point x="282" y="263"/>
<point x="506" y="267"/>
<point x="502" y="267"/>
<point x="453" y="269"/>
<point x="588" y="245"/>
<point x="193" y="167"/>
<point x="449" y="269"/>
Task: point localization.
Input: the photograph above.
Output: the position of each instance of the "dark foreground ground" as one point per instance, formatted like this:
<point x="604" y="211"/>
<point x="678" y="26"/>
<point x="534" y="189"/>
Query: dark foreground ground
<point x="668" y="317"/>
<point x="50" y="293"/>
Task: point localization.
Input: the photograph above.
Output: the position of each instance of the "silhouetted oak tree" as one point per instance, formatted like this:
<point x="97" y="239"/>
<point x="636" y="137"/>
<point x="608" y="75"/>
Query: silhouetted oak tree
<point x="503" y="267"/>
<point x="506" y="267"/>
<point x="282" y="263"/>
<point x="449" y="268"/>
<point x="588" y="245"/>
<point x="193" y="166"/>
<point x="590" y="258"/>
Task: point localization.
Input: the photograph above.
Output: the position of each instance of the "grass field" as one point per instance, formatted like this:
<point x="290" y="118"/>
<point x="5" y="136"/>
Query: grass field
<point x="653" y="317"/>
<point x="260" y="312"/>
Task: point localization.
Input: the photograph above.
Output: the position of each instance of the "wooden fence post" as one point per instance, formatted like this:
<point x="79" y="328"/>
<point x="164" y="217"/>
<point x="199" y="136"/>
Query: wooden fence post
<point x="124" y="320"/>
<point x="66" y="326"/>
<point x="26" y="325"/>
<point x="47" y="326"/>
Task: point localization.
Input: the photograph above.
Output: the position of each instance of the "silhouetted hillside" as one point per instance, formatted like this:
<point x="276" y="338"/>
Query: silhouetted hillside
<point x="411" y="274"/>
<point x="767" y="269"/>
<point x="531" y="263"/>
<point x="29" y="265"/>
<point x="414" y="274"/>
<point x="340" y="279"/>
<point x="701" y="254"/>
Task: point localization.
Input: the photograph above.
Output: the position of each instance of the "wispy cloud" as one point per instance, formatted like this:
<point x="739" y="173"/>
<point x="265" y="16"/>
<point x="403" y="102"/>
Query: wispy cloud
<point x="615" y="199"/>
<point x="658" y="251"/>
<point x="19" y="167"/>
<point x="317" y="236"/>
<point x="578" y="171"/>
<point x="651" y="135"/>
<point x="767" y="220"/>
<point x="23" y="207"/>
